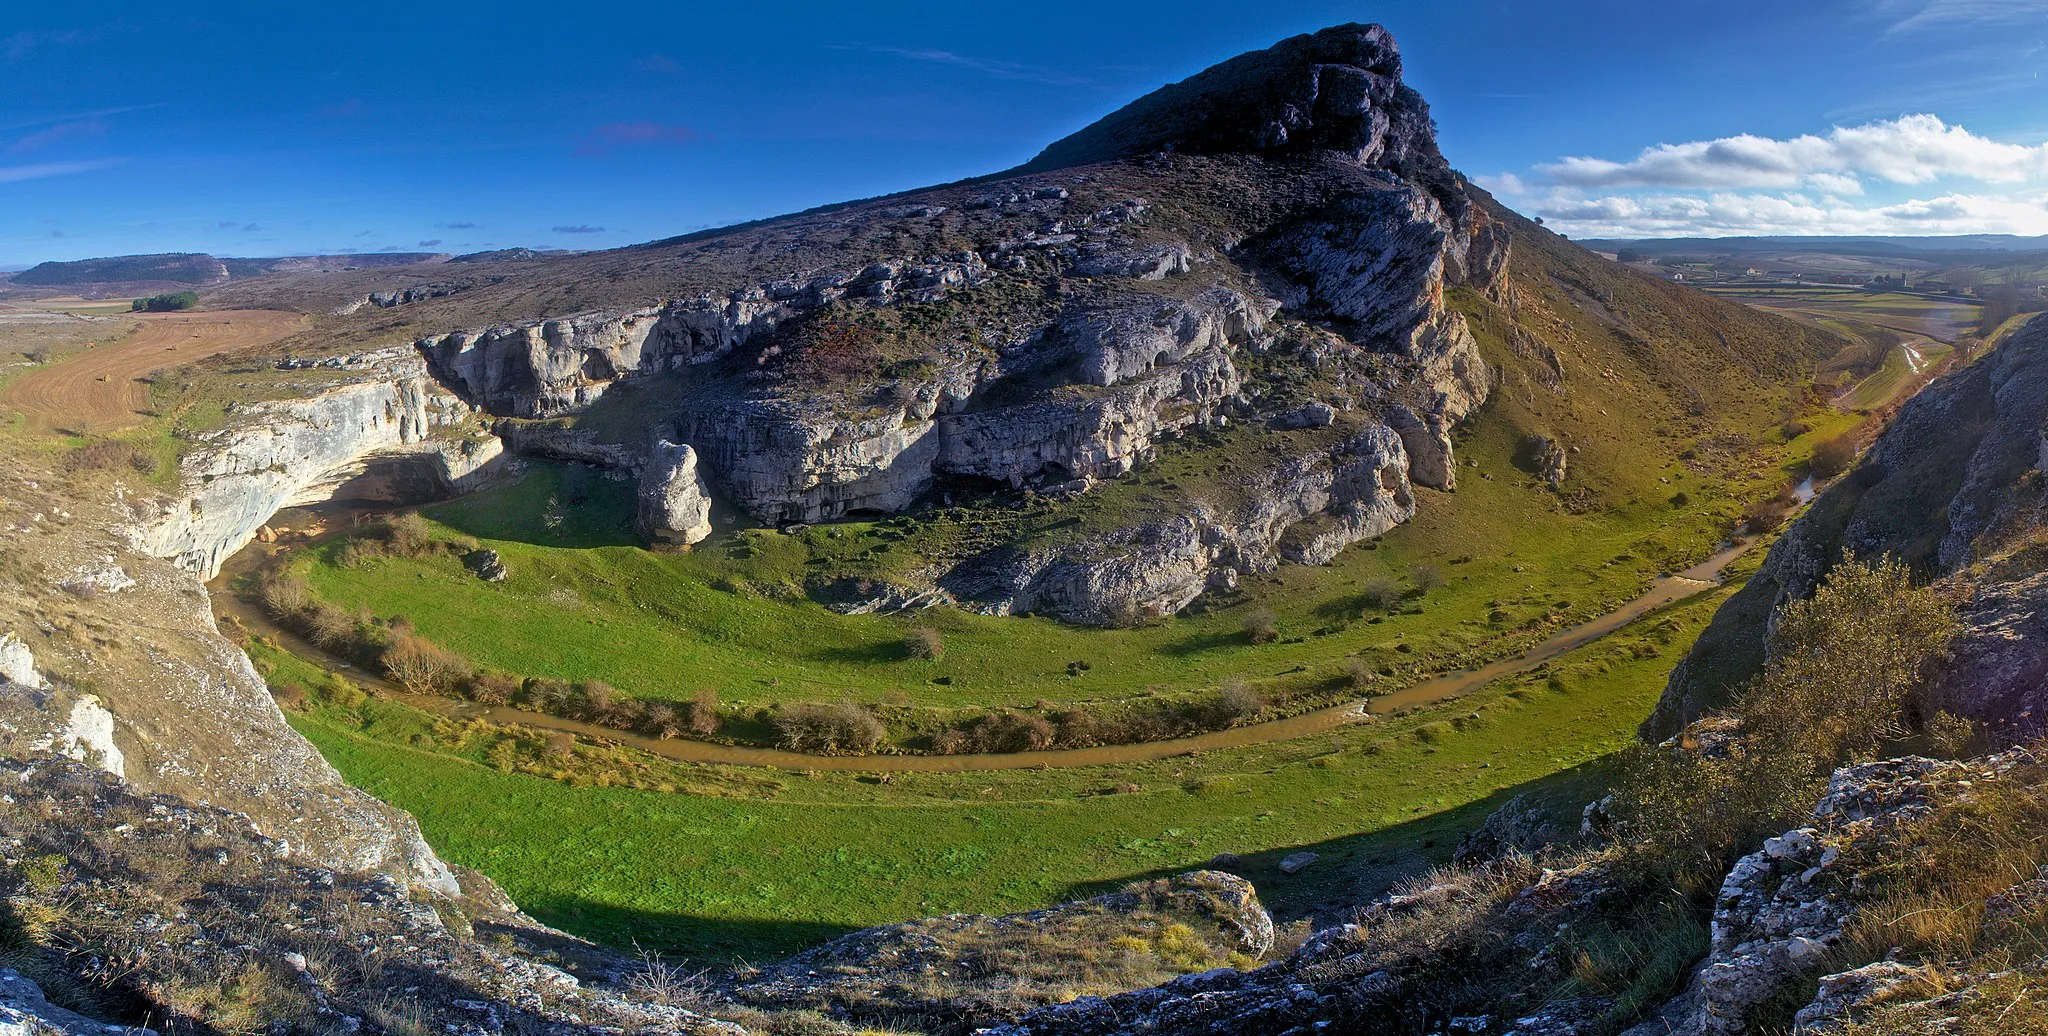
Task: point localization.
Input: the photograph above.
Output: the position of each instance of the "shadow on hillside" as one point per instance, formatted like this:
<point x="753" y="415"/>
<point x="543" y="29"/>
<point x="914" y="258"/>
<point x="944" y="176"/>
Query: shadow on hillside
<point x="1353" y="869"/>
<point x="703" y="940"/>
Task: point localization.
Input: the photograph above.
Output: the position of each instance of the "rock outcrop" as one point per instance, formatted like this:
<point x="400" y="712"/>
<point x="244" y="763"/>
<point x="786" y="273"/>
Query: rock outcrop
<point x="1303" y="512"/>
<point x="960" y="971"/>
<point x="183" y="712"/>
<point x="675" y="504"/>
<point x="244" y="943"/>
<point x="387" y="411"/>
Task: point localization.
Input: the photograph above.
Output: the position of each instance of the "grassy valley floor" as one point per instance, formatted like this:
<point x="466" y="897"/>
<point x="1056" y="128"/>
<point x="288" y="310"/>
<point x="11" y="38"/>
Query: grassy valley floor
<point x="745" y="863"/>
<point x="758" y="863"/>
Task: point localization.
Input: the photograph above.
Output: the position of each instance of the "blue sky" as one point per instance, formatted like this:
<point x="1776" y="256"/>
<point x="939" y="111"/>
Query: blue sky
<point x="288" y="128"/>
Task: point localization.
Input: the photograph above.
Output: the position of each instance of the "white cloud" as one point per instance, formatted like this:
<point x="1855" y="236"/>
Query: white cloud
<point x="1835" y="184"/>
<point x="1506" y="185"/>
<point x="1728" y="213"/>
<point x="1907" y="150"/>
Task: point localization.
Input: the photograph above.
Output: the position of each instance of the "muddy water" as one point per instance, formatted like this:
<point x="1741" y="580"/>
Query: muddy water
<point x="1666" y="590"/>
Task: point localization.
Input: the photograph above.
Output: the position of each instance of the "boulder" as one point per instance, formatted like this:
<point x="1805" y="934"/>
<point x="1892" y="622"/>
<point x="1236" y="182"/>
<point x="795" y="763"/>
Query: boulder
<point x="486" y="564"/>
<point x="675" y="503"/>
<point x="1308" y="415"/>
<point x="1295" y="863"/>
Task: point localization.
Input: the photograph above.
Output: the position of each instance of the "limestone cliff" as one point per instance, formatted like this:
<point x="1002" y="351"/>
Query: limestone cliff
<point x="387" y="413"/>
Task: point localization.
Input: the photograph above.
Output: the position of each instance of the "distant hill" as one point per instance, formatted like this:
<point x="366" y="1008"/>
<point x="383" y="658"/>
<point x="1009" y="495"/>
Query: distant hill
<point x="191" y="268"/>
<point x="1874" y="245"/>
<point x="197" y="269"/>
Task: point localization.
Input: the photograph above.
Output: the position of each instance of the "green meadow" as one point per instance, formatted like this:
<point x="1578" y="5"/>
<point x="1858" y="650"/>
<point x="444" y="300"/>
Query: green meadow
<point x="747" y="864"/>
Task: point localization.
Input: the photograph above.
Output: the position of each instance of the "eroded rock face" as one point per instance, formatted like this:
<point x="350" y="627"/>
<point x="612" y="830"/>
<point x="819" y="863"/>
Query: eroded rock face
<point x="675" y="504"/>
<point x="1304" y="511"/>
<point x="175" y="708"/>
<point x="280" y="454"/>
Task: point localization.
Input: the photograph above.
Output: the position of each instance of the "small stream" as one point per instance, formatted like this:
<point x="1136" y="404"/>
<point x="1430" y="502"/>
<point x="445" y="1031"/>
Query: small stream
<point x="1666" y="590"/>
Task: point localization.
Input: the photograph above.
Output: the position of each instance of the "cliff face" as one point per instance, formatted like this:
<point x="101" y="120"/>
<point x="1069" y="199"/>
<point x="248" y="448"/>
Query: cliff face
<point x="301" y="451"/>
<point x="1952" y="487"/>
<point x="1103" y="304"/>
<point x="111" y="657"/>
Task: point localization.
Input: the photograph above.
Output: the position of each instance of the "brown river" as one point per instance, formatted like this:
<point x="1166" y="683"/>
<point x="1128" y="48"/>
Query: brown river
<point x="1666" y="590"/>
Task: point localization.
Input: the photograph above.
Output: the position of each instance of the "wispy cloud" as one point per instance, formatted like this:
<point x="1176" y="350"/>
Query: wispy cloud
<point x="456" y="226"/>
<point x="610" y="137"/>
<point x="578" y="228"/>
<point x="999" y="69"/>
<point x="1977" y="14"/>
<point x="346" y="109"/>
<point x="84" y="116"/>
<point x="430" y="242"/>
<point x="658" y="63"/>
<point x="21" y="44"/>
<point x="57" y="134"/>
<point x="42" y="170"/>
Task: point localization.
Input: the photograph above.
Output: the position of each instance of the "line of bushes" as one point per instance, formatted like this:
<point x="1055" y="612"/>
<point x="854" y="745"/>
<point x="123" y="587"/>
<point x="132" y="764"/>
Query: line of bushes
<point x="393" y="647"/>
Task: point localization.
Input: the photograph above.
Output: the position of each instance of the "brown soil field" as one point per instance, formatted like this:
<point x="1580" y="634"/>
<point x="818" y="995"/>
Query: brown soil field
<point x="100" y="389"/>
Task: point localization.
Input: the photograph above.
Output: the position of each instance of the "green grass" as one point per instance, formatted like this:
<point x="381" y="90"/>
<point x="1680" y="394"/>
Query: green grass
<point x="1889" y="380"/>
<point x="1935" y="318"/>
<point x="780" y="864"/>
<point x="582" y="603"/>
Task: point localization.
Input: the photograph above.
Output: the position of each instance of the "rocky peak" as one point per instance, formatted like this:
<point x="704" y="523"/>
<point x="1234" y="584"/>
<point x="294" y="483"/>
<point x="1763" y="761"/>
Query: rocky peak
<point x="1338" y="89"/>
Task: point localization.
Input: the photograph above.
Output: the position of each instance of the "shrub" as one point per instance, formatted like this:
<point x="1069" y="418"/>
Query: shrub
<point x="1011" y="732"/>
<point x="1359" y="673"/>
<point x="542" y="694"/>
<point x="662" y="721"/>
<point x="924" y="644"/>
<point x="165" y="303"/>
<point x="704" y="712"/>
<point x="1844" y="668"/>
<point x="291" y="697"/>
<point x="493" y="688"/>
<point x="1259" y="626"/>
<point x="102" y="455"/>
<point x="597" y="697"/>
<point x="423" y="667"/>
<point x="1380" y="592"/>
<point x="408" y="536"/>
<point x="339" y="691"/>
<point x="840" y="727"/>
<point x="328" y="626"/>
<point x="1427" y="578"/>
<point x="1845" y="661"/>
<point x="1833" y="456"/>
<point x="284" y="595"/>
<point x="1237" y="701"/>
<point x="561" y="745"/>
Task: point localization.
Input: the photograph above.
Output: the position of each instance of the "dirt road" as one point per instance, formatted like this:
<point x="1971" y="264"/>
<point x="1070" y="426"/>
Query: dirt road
<point x="99" y="389"/>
